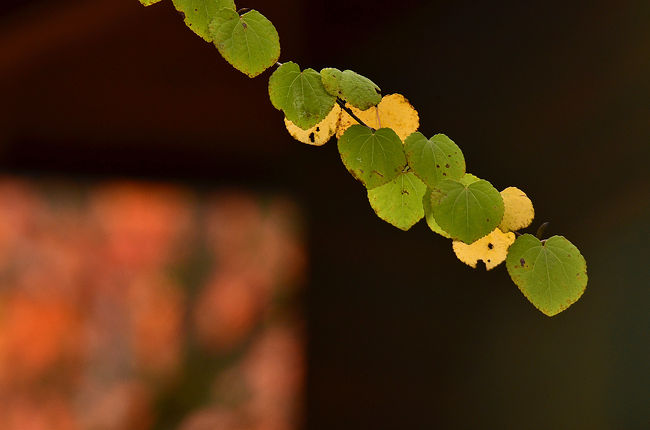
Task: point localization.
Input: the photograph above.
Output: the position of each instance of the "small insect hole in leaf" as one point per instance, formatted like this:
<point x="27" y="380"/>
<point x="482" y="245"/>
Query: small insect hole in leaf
<point x="522" y="262"/>
<point x="447" y="165"/>
<point x="490" y="246"/>
<point x="311" y="137"/>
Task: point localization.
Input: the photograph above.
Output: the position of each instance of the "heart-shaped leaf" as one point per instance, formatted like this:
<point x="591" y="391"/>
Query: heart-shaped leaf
<point x="300" y="95"/>
<point x="435" y="159"/>
<point x="249" y="42"/>
<point x="399" y="202"/>
<point x="466" y="212"/>
<point x="375" y="157"/>
<point x="551" y="273"/>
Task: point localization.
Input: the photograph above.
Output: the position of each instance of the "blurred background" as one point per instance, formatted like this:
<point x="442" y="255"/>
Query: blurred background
<point x="172" y="259"/>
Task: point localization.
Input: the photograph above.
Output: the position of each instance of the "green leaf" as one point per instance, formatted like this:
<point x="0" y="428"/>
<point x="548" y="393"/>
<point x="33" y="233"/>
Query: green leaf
<point x="300" y="95"/>
<point x="199" y="13"/>
<point x="551" y="273"/>
<point x="467" y="212"/>
<point x="359" y="91"/>
<point x="435" y="159"/>
<point x="331" y="78"/>
<point x="373" y="157"/>
<point x="428" y="215"/>
<point x="468" y="178"/>
<point x="249" y="42"/>
<point x="148" y="2"/>
<point x="399" y="202"/>
<point x="350" y="86"/>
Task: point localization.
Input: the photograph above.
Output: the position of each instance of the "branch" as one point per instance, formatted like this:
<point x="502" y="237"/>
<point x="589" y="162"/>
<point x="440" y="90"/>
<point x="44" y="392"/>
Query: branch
<point x="349" y="111"/>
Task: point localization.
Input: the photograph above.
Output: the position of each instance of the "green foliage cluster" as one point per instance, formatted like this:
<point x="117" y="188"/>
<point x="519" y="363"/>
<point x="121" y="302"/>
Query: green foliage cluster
<point x="407" y="178"/>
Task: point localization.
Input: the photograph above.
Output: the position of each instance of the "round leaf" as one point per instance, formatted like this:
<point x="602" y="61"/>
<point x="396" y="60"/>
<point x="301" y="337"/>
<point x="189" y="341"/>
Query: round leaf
<point x="467" y="212"/>
<point x="491" y="249"/>
<point x="373" y="157"/>
<point x="434" y="159"/>
<point x="519" y="211"/>
<point x="552" y="273"/>
<point x="399" y="202"/>
<point x="249" y="42"/>
<point x="200" y="13"/>
<point x="300" y="95"/>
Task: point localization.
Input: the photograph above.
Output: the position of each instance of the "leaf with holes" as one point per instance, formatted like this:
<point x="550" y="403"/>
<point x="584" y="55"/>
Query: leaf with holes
<point x="491" y="249"/>
<point x="399" y="202"/>
<point x="435" y="159"/>
<point x="373" y="157"/>
<point x="319" y="134"/>
<point x="250" y="43"/>
<point x="466" y="212"/>
<point x="300" y="95"/>
<point x="200" y="13"/>
<point x="551" y="273"/>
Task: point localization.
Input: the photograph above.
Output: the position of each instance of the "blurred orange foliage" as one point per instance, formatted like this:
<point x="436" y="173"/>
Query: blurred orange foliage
<point x="103" y="289"/>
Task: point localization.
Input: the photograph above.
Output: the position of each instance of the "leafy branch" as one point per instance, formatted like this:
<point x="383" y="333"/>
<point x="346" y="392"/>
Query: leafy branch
<point x="407" y="175"/>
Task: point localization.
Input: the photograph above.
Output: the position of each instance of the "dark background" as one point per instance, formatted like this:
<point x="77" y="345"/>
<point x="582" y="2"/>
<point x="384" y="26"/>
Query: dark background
<point x="551" y="97"/>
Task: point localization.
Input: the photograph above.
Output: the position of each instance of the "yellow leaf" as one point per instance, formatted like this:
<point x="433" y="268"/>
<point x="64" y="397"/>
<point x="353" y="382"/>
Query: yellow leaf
<point x="518" y="212"/>
<point x="395" y="112"/>
<point x="491" y="249"/>
<point x="320" y="133"/>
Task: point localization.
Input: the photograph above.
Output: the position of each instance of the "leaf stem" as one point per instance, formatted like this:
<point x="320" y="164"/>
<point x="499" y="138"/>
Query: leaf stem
<point x="349" y="111"/>
<point x="541" y="229"/>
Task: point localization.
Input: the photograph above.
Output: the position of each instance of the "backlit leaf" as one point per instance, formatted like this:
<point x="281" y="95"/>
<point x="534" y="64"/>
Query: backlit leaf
<point x="200" y="13"/>
<point x="373" y="157"/>
<point x="399" y="202"/>
<point x="466" y="212"/>
<point x="319" y="134"/>
<point x="552" y="273"/>
<point x="250" y="42"/>
<point x="359" y="91"/>
<point x="300" y="95"/>
<point x="394" y="111"/>
<point x="434" y="159"/>
<point x="519" y="211"/>
<point x="491" y="249"/>
<point x="331" y="78"/>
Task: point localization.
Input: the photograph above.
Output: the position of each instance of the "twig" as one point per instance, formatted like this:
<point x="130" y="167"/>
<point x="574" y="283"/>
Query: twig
<point x="349" y="111"/>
